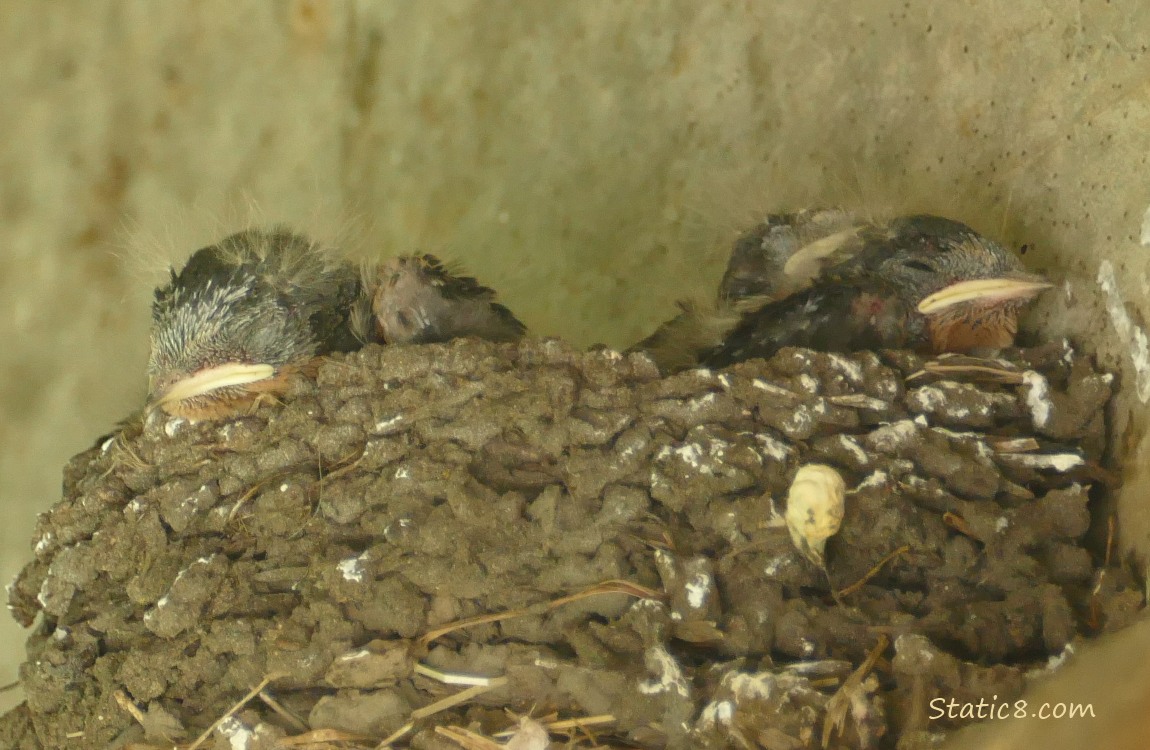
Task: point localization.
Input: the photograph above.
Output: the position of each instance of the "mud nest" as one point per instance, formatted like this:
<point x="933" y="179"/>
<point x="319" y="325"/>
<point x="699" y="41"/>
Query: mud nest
<point x="622" y="533"/>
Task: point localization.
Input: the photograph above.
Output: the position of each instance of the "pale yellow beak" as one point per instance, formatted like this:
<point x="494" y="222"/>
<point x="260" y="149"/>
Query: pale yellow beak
<point x="986" y="291"/>
<point x="213" y="378"/>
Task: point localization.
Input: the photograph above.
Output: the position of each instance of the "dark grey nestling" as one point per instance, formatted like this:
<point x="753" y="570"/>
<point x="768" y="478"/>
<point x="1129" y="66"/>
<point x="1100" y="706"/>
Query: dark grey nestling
<point x="241" y="316"/>
<point x="418" y="300"/>
<point x="921" y="282"/>
<point x="826" y="279"/>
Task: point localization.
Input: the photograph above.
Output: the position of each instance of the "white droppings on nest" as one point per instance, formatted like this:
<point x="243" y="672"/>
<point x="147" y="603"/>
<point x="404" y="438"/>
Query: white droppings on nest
<point x="774" y="565"/>
<point x="927" y="398"/>
<point x="799" y="419"/>
<point x="874" y="479"/>
<point x="668" y="674"/>
<point x="957" y="434"/>
<point x="702" y="372"/>
<point x="352" y="568"/>
<point x="854" y="449"/>
<point x="1068" y="351"/>
<point x="1001" y="524"/>
<point x="1056" y="661"/>
<point x="43" y="542"/>
<point x="284" y="487"/>
<point x="754" y="685"/>
<point x="363" y="653"/>
<point x="698" y="589"/>
<point x="775" y="449"/>
<point x="705" y="460"/>
<point x="808" y="646"/>
<point x="809" y="384"/>
<point x="846" y="367"/>
<point x="194" y="499"/>
<point x="402" y="473"/>
<point x="893" y="435"/>
<point x="1052" y="461"/>
<point x="181" y="574"/>
<point x="238" y="734"/>
<point x="1132" y="335"/>
<point x="403" y="523"/>
<point x="531" y="735"/>
<point x="776" y="390"/>
<point x="386" y="425"/>
<point x="815" y="503"/>
<point x="1053" y="663"/>
<point x="716" y="712"/>
<point x="970" y="438"/>
<point x="172" y="426"/>
<point x="107" y="445"/>
<point x="725" y="381"/>
<point x="691" y="454"/>
<point x="1037" y="397"/>
<point x="225" y="432"/>
<point x="705" y="400"/>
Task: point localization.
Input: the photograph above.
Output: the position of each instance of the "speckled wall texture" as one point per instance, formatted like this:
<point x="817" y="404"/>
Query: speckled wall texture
<point x="589" y="159"/>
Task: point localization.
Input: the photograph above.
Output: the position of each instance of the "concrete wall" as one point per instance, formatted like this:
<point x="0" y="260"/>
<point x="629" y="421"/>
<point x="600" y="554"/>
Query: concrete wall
<point x="589" y="159"/>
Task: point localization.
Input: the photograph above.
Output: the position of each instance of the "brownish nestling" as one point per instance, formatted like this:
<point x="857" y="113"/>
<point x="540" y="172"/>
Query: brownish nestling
<point x="418" y="300"/>
<point x="241" y="316"/>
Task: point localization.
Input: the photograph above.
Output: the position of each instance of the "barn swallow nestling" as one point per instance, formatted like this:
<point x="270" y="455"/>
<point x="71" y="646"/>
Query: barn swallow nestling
<point x="418" y="300"/>
<point x="241" y="316"/>
<point x="920" y="282"/>
<point x="824" y="279"/>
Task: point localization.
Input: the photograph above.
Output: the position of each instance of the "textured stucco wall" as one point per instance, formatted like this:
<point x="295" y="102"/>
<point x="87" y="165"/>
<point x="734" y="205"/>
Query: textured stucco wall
<point x="589" y="159"/>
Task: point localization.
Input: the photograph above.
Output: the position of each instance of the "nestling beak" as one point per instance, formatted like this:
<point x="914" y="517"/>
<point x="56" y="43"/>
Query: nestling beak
<point x="986" y="291"/>
<point x="210" y="379"/>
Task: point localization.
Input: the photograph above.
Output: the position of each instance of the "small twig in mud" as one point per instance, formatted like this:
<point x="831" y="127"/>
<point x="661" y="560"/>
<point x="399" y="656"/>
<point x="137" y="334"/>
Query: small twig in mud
<point x="467" y="739"/>
<point x="343" y="466"/>
<point x="849" y="695"/>
<point x="386" y="743"/>
<point x="606" y="587"/>
<point x="1014" y="445"/>
<point x="286" y="715"/>
<point x="452" y="678"/>
<point x="236" y="707"/>
<point x="321" y="737"/>
<point x="247" y="496"/>
<point x="1095" y="620"/>
<point x="993" y="374"/>
<point x="567" y="726"/>
<point x="959" y="524"/>
<point x="1110" y="523"/>
<point x="873" y="571"/>
<point x="454" y="700"/>
<point x="128" y="705"/>
<point x="9" y="686"/>
<point x="859" y="401"/>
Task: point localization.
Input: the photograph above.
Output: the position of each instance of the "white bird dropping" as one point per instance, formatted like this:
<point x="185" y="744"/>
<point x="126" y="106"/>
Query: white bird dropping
<point x="815" y="509"/>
